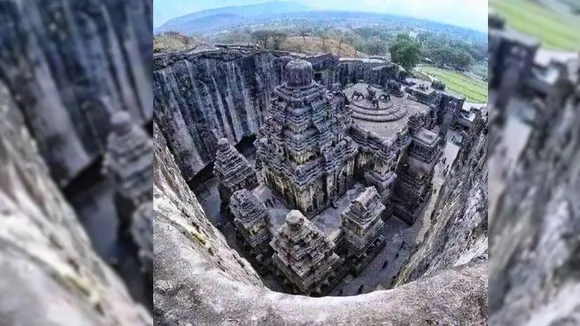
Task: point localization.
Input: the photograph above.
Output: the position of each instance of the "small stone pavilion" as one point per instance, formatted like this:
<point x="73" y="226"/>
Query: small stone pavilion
<point x="129" y="161"/>
<point x="252" y="226"/>
<point x="328" y="182"/>
<point x="232" y="171"/>
<point x="304" y="257"/>
<point x="361" y="227"/>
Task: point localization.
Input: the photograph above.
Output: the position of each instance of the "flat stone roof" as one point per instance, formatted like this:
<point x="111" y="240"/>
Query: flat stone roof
<point x="389" y="129"/>
<point x="427" y="136"/>
<point x="328" y="221"/>
<point x="427" y="91"/>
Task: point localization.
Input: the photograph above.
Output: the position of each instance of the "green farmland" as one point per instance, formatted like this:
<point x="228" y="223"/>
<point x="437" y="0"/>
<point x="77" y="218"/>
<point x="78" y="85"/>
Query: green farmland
<point x="474" y="90"/>
<point x="555" y="31"/>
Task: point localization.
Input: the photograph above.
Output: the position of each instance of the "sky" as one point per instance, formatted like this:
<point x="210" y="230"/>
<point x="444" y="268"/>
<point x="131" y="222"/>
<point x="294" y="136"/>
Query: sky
<point x="465" y="13"/>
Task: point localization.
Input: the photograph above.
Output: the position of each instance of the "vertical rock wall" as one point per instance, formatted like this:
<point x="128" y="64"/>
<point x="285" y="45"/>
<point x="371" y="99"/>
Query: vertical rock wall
<point x="535" y="248"/>
<point x="458" y="232"/>
<point x="200" y="98"/>
<point x="204" y="96"/>
<point x="49" y="273"/>
<point x="68" y="65"/>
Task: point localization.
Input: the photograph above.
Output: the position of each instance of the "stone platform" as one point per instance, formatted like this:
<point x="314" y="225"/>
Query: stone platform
<point x="363" y="109"/>
<point x="328" y="221"/>
<point x="391" y="116"/>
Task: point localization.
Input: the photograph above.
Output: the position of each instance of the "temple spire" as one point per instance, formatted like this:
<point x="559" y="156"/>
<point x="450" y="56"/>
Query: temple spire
<point x="304" y="256"/>
<point x="233" y="171"/>
<point x="129" y="160"/>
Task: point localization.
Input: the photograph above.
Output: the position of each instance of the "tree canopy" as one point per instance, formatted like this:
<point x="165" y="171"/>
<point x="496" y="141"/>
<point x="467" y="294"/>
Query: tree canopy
<point x="405" y="52"/>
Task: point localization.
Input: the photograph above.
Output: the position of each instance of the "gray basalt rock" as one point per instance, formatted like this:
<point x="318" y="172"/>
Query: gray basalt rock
<point x="459" y="231"/>
<point x="49" y="273"/>
<point x="200" y="97"/>
<point x="69" y="65"/>
<point x="535" y="248"/>
<point x="200" y="280"/>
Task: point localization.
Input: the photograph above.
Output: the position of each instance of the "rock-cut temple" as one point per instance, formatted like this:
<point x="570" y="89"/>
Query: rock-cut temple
<point x="310" y="153"/>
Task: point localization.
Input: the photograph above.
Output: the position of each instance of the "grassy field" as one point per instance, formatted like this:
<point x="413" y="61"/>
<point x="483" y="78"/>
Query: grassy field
<point x="474" y="90"/>
<point x="555" y="31"/>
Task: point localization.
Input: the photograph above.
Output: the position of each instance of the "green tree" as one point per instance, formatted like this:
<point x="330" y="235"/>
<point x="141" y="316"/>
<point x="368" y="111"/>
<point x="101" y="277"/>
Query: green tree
<point x="405" y="52"/>
<point x="462" y="59"/>
<point x="262" y="37"/>
<point x="304" y="31"/>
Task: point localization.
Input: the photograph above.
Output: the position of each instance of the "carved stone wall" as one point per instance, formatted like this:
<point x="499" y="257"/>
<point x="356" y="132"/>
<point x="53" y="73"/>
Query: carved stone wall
<point x="202" y="97"/>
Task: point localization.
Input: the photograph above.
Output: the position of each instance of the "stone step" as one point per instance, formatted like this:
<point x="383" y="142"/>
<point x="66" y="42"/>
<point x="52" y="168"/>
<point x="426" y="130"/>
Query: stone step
<point x="380" y="118"/>
<point x="377" y="112"/>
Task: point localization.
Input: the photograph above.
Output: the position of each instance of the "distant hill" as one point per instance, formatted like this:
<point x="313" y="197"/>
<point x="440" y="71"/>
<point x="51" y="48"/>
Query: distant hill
<point x="231" y="18"/>
<point x="214" y="18"/>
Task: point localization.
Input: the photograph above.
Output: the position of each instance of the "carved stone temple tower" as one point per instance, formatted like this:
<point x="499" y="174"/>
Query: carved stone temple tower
<point x="361" y="226"/>
<point x="129" y="159"/>
<point x="305" y="257"/>
<point x="415" y="174"/>
<point x="232" y="171"/>
<point x="306" y="158"/>
<point x="252" y="225"/>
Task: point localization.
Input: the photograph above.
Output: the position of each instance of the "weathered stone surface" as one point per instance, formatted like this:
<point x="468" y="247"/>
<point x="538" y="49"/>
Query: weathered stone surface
<point x="304" y="255"/>
<point x="535" y="248"/>
<point x="232" y="171"/>
<point x="200" y="97"/>
<point x="458" y="232"/>
<point x="195" y="266"/>
<point x="49" y="273"/>
<point x="305" y="154"/>
<point x="69" y="65"/>
<point x="142" y="235"/>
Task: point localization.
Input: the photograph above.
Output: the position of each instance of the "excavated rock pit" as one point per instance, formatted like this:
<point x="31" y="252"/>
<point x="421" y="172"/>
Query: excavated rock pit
<point x="200" y="278"/>
<point x="194" y="265"/>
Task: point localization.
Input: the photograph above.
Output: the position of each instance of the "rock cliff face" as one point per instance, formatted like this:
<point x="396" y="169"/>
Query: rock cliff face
<point x="200" y="98"/>
<point x="49" y="273"/>
<point x="458" y="231"/>
<point x="194" y="267"/>
<point x="535" y="247"/>
<point x="69" y="65"/>
<point x="203" y="96"/>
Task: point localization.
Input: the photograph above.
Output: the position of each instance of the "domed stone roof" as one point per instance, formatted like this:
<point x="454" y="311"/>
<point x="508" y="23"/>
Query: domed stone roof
<point x="299" y="73"/>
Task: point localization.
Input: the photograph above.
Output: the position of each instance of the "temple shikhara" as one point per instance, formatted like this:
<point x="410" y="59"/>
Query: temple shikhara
<point x="332" y="166"/>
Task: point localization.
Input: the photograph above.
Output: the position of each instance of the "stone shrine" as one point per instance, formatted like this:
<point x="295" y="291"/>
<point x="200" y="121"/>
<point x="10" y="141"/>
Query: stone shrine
<point x="415" y="175"/>
<point x="297" y="222"/>
<point x="252" y="228"/>
<point x="232" y="171"/>
<point x="304" y="257"/>
<point x="305" y="155"/>
<point x="361" y="226"/>
<point x="129" y="160"/>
